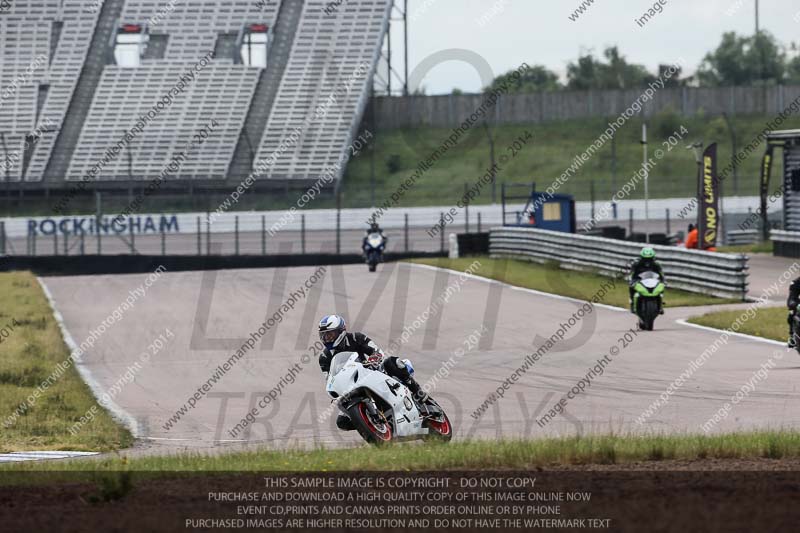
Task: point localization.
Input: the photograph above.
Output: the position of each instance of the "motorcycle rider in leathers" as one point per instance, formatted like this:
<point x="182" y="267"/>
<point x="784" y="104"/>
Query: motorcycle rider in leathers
<point x="333" y="334"/>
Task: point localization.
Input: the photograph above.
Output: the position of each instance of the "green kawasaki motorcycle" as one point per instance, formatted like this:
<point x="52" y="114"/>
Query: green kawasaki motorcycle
<point x="648" y="298"/>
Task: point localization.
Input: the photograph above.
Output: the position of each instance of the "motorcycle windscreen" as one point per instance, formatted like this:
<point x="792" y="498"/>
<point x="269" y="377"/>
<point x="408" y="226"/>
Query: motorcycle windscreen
<point x="650" y="279"/>
<point x="375" y="239"/>
<point x="339" y="361"/>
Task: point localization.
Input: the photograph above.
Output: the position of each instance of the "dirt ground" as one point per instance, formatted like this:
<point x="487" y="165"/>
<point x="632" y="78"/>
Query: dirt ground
<point x="668" y="496"/>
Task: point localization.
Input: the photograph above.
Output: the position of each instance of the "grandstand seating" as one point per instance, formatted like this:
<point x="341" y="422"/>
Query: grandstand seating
<point x="62" y="75"/>
<point x="317" y="87"/>
<point x="195" y="25"/>
<point x="221" y="92"/>
<point x="25" y="32"/>
<point x="329" y="52"/>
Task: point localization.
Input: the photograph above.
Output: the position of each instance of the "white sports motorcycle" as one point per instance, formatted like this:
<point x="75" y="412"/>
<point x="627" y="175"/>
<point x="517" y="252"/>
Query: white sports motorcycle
<point x="382" y="409"/>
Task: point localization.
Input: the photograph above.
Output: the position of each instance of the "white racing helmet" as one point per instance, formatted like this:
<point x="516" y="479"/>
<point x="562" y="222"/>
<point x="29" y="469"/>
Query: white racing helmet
<point x="332" y="330"/>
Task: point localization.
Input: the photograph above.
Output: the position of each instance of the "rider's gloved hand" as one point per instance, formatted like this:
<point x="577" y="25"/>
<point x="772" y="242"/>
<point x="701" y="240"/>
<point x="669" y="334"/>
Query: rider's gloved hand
<point x="374" y="360"/>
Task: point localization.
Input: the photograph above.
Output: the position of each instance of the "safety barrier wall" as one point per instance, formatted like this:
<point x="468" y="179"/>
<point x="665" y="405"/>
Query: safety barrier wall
<point x="722" y="275"/>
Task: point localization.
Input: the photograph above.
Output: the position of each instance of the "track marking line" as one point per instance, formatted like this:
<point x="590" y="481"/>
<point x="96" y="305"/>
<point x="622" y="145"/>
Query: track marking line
<point x="116" y="411"/>
<point x="14" y="457"/>
<point x="684" y="322"/>
<point x="524" y="289"/>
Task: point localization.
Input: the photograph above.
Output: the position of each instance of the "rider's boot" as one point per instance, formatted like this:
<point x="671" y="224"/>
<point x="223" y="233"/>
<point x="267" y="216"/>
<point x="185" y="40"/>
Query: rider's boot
<point x="418" y="394"/>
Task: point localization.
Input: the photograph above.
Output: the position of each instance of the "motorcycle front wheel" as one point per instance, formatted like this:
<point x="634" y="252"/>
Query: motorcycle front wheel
<point x="441" y="430"/>
<point x="374" y="429"/>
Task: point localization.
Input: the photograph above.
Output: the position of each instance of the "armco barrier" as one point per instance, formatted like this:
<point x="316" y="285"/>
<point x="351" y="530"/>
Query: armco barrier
<point x="723" y="275"/>
<point x="785" y="243"/>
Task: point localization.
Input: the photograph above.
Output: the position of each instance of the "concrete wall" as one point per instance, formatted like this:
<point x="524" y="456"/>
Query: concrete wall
<point x="450" y="110"/>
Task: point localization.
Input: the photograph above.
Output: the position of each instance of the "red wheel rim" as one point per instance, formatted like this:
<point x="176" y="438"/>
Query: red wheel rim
<point x="383" y="435"/>
<point x="442" y="428"/>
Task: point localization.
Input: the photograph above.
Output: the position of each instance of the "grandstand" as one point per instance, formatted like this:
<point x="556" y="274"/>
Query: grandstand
<point x="97" y="82"/>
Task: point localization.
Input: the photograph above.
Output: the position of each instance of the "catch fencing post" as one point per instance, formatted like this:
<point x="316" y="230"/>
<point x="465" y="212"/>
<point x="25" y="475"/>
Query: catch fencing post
<point x="2" y="238"/>
<point x="479" y="221"/>
<point x="466" y="210"/>
<point x="441" y="217"/>
<point x="303" y="233"/>
<point x="208" y="234"/>
<point x="630" y="221"/>
<point x="133" y="239"/>
<point x="405" y="230"/>
<point x="33" y="244"/>
<point x="199" y="238"/>
<point x="66" y="243"/>
<point x="263" y="235"/>
<point x="236" y="235"/>
<point x="163" y="241"/>
<point x="83" y="242"/>
<point x="55" y="242"/>
<point x="668" y="228"/>
<point x="338" y="224"/>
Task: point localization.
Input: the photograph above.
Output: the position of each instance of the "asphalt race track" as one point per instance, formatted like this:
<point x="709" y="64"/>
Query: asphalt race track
<point x="211" y="314"/>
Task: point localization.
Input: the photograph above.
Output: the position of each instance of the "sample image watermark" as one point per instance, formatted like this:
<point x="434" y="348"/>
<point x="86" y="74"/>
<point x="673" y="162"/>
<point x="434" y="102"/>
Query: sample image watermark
<point x="597" y="370"/>
<point x="434" y="308"/>
<point x="88" y="343"/>
<point x="333" y="6"/>
<point x="184" y="82"/>
<point x="12" y="159"/>
<point x="291" y="140"/>
<point x="8" y="329"/>
<point x="474" y="191"/>
<point x="106" y="399"/>
<point x="656" y="9"/>
<point x="548" y="344"/>
<point x="605" y="211"/>
<point x="497" y="7"/>
<point x="582" y="8"/>
<point x="771" y="125"/>
<point x="312" y="192"/>
<point x="696" y="364"/>
<point x="634" y="109"/>
<point x="457" y="134"/>
<point x="24" y="78"/>
<point x="247" y="346"/>
<point x="744" y="391"/>
<point x="5" y="6"/>
<point x="162" y="13"/>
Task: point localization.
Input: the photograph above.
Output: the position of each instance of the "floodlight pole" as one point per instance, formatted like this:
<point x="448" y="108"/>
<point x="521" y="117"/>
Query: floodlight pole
<point x="646" y="186"/>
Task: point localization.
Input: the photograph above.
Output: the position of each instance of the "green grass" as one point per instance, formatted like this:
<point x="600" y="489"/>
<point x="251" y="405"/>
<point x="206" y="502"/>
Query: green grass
<point x="553" y="149"/>
<point x="550" y="278"/>
<point x="28" y="356"/>
<point x="757" y="248"/>
<point x="480" y="454"/>
<point x="769" y="322"/>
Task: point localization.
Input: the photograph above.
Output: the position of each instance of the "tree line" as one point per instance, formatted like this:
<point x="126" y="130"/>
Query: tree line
<point x="738" y="60"/>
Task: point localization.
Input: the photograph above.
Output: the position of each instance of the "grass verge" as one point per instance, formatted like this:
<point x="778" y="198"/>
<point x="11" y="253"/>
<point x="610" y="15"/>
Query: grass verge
<point x="30" y="351"/>
<point x="769" y="322"/>
<point x="481" y="455"/>
<point x="550" y="278"/>
<point x="756" y="248"/>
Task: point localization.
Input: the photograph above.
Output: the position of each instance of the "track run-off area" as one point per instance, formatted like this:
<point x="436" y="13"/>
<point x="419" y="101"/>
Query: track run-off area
<point x="216" y="361"/>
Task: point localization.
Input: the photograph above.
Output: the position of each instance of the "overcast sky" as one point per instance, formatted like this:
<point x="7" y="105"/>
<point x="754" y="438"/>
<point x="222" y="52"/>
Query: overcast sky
<point x="540" y="32"/>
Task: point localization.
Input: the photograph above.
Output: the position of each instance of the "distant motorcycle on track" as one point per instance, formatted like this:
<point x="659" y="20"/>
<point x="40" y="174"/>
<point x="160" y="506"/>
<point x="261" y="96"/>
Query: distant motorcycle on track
<point x="381" y="408"/>
<point x="648" y="298"/>
<point x="374" y="244"/>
